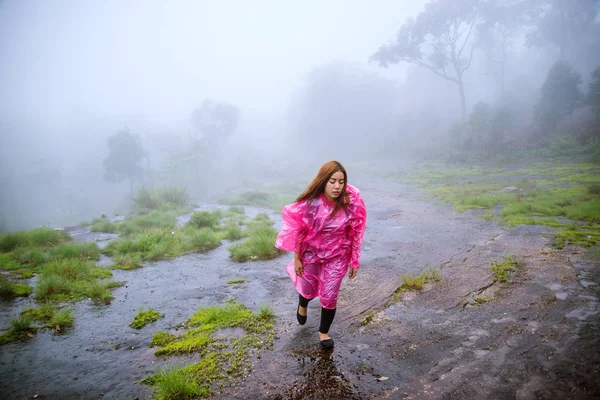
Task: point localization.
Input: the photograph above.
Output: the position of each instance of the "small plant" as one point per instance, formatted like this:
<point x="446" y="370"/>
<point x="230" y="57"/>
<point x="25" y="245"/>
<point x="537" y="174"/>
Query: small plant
<point x="103" y="225"/>
<point x="501" y="269"/>
<point x="76" y="250"/>
<point x="237" y="209"/>
<point x="234" y="232"/>
<point x="144" y="317"/>
<point x="9" y="289"/>
<point x="266" y="312"/>
<point x="22" y="324"/>
<point x="72" y="279"/>
<point x="127" y="262"/>
<point x="204" y="219"/>
<point x="259" y="246"/>
<point x="161" y="339"/>
<point x="237" y="281"/>
<point x="61" y="318"/>
<point x="202" y="239"/>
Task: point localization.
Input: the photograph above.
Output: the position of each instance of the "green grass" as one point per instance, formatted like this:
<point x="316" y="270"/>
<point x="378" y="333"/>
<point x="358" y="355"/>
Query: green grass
<point x="73" y="279"/>
<point x="166" y="198"/>
<point x="233" y="232"/>
<point x="202" y="239"/>
<point x="103" y="225"/>
<point x="9" y="289"/>
<point x="154" y="220"/>
<point x="575" y="236"/>
<point x="30" y="256"/>
<point x="192" y="381"/>
<point x="218" y="358"/>
<point x="144" y="317"/>
<point x="160" y="244"/>
<point x="190" y="342"/>
<point x="127" y="262"/>
<point x="547" y="191"/>
<point x="414" y="282"/>
<point x="43" y="237"/>
<point x="161" y="339"/>
<point x="20" y="329"/>
<point x="237" y="281"/>
<point x="204" y="219"/>
<point x="502" y="269"/>
<point x="260" y="244"/>
<point x="237" y="210"/>
<point x="88" y="251"/>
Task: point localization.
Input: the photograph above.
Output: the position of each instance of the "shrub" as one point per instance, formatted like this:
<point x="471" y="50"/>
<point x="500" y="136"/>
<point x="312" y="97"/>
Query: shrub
<point x="202" y="239"/>
<point x="44" y="237"/>
<point x="76" y="250"/>
<point x="73" y="278"/>
<point x="201" y="219"/>
<point x="30" y="256"/>
<point x="103" y="225"/>
<point x="169" y="197"/>
<point x="259" y="246"/>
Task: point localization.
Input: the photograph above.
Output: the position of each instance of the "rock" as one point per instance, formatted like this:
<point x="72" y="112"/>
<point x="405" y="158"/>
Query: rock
<point x="382" y="378"/>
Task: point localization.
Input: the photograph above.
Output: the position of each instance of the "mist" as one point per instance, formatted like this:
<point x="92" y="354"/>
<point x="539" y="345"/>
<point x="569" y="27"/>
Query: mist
<point x="294" y="85"/>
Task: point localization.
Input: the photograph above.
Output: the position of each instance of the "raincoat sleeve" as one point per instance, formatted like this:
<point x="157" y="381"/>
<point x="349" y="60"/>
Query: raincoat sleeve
<point x="294" y="227"/>
<point x="359" y="222"/>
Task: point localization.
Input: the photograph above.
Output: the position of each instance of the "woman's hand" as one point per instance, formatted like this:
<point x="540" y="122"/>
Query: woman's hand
<point x="298" y="265"/>
<point x="352" y="272"/>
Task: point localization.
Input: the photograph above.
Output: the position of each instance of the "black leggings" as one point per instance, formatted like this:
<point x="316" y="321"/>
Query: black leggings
<point x="326" y="315"/>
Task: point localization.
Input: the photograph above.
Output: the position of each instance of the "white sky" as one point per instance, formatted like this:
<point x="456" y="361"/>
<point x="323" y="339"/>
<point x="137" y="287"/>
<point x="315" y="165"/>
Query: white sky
<point x="160" y="59"/>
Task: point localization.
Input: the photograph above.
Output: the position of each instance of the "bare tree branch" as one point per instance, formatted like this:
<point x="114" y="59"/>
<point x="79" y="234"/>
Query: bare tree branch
<point x="475" y="20"/>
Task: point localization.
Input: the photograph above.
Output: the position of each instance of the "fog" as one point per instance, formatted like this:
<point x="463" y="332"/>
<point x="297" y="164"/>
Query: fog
<point x="299" y="83"/>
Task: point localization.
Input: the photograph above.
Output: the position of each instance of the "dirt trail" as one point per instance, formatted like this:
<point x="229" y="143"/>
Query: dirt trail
<point x="537" y="338"/>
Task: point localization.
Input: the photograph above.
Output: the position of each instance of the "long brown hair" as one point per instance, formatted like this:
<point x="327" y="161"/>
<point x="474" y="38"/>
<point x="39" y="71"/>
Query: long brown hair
<point x="317" y="186"/>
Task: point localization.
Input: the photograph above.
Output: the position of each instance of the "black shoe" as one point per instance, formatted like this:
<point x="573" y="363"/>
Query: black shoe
<point x="301" y="318"/>
<point x="327" y="343"/>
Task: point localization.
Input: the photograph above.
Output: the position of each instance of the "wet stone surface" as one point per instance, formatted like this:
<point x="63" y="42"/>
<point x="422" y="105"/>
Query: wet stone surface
<point x="536" y="337"/>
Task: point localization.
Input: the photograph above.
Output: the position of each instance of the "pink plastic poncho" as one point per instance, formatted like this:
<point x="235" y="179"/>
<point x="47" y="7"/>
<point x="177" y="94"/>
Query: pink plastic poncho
<point x="327" y="246"/>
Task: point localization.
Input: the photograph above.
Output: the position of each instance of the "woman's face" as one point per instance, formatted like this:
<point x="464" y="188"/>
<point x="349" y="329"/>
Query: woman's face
<point x="334" y="186"/>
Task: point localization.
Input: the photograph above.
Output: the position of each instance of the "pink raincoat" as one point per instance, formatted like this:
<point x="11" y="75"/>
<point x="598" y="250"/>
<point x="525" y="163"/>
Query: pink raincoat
<point x="327" y="246"/>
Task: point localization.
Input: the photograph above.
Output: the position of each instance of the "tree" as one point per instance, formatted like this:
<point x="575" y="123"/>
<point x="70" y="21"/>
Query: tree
<point x="215" y="121"/>
<point x="560" y="95"/>
<point x="593" y="97"/>
<point x="343" y="110"/>
<point x="562" y="23"/>
<point x="124" y="158"/>
<point x="440" y="38"/>
<point x="504" y="22"/>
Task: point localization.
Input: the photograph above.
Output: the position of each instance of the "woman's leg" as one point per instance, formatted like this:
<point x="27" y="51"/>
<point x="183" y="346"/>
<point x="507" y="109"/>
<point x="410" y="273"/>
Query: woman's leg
<point x="327" y="316"/>
<point x="333" y="274"/>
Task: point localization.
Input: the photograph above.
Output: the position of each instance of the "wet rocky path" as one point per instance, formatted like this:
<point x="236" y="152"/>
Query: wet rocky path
<point x="536" y="338"/>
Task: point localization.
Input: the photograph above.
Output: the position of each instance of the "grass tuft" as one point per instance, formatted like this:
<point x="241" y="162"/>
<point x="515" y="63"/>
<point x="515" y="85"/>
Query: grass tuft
<point x="143" y="318"/>
<point x="502" y="269"/>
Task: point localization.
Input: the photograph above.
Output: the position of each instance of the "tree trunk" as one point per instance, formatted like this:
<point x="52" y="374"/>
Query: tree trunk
<point x="131" y="186"/>
<point x="463" y="101"/>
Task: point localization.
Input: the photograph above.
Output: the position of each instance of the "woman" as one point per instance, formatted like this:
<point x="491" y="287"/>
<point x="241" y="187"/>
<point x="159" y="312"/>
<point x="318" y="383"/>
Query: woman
<point x="324" y="228"/>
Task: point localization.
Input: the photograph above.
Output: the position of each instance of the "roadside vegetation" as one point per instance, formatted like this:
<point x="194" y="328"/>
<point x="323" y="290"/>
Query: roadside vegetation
<point x="220" y="358"/>
<point x="561" y="189"/>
